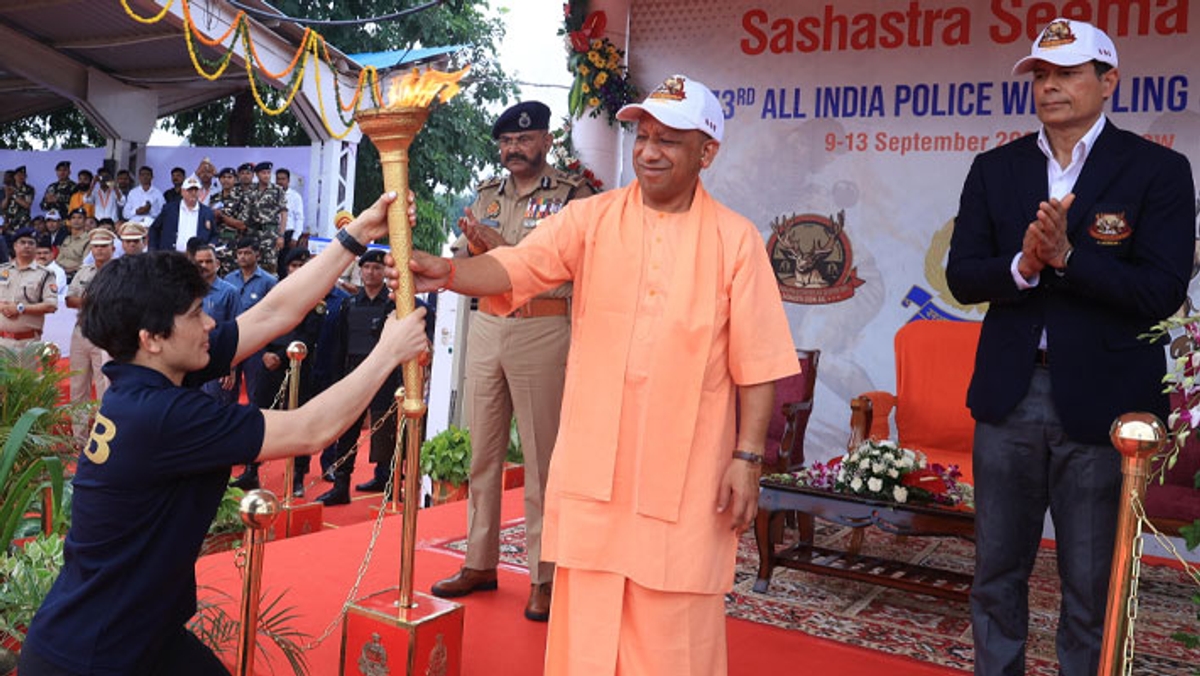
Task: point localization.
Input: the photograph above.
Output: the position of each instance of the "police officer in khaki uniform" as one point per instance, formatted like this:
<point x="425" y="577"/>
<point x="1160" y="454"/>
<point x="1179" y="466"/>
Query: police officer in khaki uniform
<point x="28" y="292"/>
<point x="266" y="216"/>
<point x="87" y="359"/>
<point x="75" y="247"/>
<point x="514" y="362"/>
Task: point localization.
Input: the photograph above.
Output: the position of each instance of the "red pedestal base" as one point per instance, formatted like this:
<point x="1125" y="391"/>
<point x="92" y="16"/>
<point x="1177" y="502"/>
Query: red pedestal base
<point x="299" y="519"/>
<point x="380" y="638"/>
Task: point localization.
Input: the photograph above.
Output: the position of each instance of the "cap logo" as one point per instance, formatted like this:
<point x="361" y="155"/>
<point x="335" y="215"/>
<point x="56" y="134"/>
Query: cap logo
<point x="670" y="90"/>
<point x="1057" y="34"/>
<point x="524" y="121"/>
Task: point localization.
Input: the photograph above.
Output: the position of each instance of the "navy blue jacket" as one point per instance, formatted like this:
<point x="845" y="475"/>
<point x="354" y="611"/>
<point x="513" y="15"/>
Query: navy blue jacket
<point x="1133" y="232"/>
<point x="165" y="229"/>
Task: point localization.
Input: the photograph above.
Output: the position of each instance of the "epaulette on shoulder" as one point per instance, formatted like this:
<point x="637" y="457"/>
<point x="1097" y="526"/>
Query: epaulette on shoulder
<point x="490" y="183"/>
<point x="573" y="180"/>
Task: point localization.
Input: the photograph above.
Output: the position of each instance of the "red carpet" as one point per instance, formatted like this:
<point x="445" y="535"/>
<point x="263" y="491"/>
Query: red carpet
<point x="317" y="571"/>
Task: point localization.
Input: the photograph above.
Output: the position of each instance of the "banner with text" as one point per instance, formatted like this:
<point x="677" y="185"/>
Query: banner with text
<point x="851" y="126"/>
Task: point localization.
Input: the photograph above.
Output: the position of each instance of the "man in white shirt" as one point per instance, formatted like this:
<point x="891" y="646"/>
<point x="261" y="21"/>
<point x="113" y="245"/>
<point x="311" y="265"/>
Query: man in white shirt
<point x="181" y="221"/>
<point x="105" y="197"/>
<point x="295" y="204"/>
<point x="144" y="202"/>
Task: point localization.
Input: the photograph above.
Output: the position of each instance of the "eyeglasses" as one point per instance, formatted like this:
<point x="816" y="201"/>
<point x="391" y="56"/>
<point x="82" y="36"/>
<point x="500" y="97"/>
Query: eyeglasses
<point x="523" y="140"/>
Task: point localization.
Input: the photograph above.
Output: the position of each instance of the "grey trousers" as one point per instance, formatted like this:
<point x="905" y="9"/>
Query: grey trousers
<point x="1024" y="466"/>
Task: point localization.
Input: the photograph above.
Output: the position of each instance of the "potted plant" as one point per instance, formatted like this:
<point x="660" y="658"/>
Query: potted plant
<point x="514" y="459"/>
<point x="26" y="574"/>
<point x="446" y="460"/>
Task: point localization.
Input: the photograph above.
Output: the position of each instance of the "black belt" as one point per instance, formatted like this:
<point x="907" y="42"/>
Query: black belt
<point x="1041" y="358"/>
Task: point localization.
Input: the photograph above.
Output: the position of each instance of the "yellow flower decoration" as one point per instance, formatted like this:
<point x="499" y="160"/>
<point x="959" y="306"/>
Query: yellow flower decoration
<point x="593" y="102"/>
<point x="596" y="59"/>
<point x="586" y="89"/>
<point x="584" y="70"/>
<point x="600" y="79"/>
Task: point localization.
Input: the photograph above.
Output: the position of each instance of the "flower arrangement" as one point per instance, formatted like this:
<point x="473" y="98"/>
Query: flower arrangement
<point x="601" y="78"/>
<point x="564" y="157"/>
<point x="881" y="470"/>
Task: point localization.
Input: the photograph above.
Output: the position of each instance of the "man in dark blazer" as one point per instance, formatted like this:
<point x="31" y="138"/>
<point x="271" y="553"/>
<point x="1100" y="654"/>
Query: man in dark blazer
<point x="182" y="220"/>
<point x="1080" y="237"/>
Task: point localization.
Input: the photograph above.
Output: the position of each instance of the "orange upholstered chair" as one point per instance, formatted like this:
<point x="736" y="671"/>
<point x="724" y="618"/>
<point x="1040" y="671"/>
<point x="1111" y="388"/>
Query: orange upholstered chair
<point x="1175" y="502"/>
<point x="934" y="363"/>
<point x="784" y="450"/>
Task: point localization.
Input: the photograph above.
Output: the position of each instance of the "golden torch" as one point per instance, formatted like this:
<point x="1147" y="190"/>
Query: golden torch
<point x="428" y="633"/>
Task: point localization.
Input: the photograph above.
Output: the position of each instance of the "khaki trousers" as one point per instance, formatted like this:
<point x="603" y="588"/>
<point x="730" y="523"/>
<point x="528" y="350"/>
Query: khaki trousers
<point x="513" y="366"/>
<point x="85" y="362"/>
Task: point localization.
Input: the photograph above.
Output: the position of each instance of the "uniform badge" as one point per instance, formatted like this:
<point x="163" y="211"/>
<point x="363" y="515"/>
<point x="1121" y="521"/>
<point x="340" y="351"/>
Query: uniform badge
<point x="493" y="210"/>
<point x="4" y="276"/>
<point x="53" y="287"/>
<point x="524" y="121"/>
<point x="1109" y="228"/>
<point x="321" y="308"/>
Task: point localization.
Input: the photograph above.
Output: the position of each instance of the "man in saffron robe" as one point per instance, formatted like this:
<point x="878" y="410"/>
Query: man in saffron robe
<point x="676" y="310"/>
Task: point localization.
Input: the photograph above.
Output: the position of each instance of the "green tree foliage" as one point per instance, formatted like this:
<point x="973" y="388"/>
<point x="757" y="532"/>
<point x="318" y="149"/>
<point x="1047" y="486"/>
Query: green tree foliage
<point x="63" y="128"/>
<point x="452" y="147"/>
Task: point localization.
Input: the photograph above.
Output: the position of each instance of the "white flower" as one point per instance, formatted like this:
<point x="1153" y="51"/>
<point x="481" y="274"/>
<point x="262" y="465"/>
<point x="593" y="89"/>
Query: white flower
<point x="856" y="484"/>
<point x="875" y="484"/>
<point x="900" y="493"/>
<point x="864" y="463"/>
<point x="877" y="468"/>
<point x="893" y="473"/>
<point x="887" y="443"/>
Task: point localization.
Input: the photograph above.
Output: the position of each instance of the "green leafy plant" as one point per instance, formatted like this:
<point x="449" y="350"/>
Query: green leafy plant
<point x="213" y="625"/>
<point x="26" y="575"/>
<point x="514" y="453"/>
<point x="447" y="456"/>
<point x="22" y="484"/>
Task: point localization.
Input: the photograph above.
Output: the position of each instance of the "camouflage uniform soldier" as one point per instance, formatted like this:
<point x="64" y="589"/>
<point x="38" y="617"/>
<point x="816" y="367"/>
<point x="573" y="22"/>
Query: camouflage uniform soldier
<point x="229" y="208"/>
<point x="58" y="194"/>
<point x="266" y="216"/>
<point x="18" y="198"/>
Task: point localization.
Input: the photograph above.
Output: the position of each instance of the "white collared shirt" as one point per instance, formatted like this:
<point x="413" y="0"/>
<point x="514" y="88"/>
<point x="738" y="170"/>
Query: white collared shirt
<point x="188" y="223"/>
<point x="1061" y="181"/>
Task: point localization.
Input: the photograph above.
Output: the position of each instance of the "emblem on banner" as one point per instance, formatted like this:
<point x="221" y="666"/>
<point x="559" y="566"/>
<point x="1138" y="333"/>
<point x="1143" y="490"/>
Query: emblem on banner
<point x="671" y="89"/>
<point x="1057" y="34"/>
<point x="813" y="259"/>
<point x="1109" y="228"/>
<point x="372" y="661"/>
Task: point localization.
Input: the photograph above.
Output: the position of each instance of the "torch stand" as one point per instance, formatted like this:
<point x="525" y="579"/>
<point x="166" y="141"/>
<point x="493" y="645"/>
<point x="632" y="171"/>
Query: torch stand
<point x="425" y="630"/>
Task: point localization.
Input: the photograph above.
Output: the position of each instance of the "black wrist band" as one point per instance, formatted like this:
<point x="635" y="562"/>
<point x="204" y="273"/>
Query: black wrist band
<point x="752" y="458"/>
<point x="352" y="245"/>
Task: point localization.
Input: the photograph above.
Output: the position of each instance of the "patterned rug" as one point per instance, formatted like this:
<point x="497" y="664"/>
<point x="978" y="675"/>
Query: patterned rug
<point x="922" y="627"/>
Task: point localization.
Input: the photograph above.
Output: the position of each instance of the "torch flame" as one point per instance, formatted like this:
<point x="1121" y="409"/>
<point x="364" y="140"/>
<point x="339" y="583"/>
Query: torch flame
<point x="417" y="90"/>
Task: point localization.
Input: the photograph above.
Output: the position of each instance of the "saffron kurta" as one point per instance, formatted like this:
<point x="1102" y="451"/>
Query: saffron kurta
<point x="671" y="313"/>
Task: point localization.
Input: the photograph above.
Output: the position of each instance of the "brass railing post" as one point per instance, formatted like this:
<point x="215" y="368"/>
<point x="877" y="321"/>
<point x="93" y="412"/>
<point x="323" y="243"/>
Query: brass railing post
<point x="1139" y="437"/>
<point x="259" y="509"/>
<point x="296" y="352"/>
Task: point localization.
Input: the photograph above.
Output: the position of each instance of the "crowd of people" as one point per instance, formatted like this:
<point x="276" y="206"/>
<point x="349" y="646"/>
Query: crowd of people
<point x="656" y="415"/>
<point x="254" y="200"/>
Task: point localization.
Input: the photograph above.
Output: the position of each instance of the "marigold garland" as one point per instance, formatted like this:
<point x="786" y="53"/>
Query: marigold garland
<point x="312" y="44"/>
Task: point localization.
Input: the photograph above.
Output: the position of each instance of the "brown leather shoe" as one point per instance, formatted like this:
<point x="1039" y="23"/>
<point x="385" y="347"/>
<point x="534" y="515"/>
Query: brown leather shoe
<point x="538" y="608"/>
<point x="464" y="582"/>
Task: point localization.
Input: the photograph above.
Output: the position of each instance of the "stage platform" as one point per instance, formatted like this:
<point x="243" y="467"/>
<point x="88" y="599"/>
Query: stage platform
<point x="317" y="571"/>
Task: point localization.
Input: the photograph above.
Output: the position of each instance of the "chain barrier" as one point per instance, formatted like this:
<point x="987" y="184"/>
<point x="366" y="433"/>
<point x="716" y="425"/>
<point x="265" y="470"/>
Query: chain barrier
<point x="240" y="556"/>
<point x="1164" y="541"/>
<point x="365" y="564"/>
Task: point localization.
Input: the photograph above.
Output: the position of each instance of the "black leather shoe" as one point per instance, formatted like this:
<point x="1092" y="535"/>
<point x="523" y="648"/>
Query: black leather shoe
<point x="338" y="495"/>
<point x="329" y="476"/>
<point x="248" y="480"/>
<point x="372" y="486"/>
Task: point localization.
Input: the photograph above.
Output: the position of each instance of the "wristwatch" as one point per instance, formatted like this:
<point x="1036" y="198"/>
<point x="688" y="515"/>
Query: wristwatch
<point x="20" y="308"/>
<point x="352" y="245"/>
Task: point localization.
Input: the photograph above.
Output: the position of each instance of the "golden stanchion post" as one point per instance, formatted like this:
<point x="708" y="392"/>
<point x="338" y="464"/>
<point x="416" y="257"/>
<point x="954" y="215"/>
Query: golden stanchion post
<point x="259" y="509"/>
<point x="1139" y="437"/>
<point x="427" y="629"/>
<point x="398" y="469"/>
<point x="306" y="517"/>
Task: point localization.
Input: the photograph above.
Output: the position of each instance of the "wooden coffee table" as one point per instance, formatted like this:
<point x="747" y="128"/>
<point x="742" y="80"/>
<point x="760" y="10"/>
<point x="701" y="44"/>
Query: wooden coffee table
<point x="777" y="499"/>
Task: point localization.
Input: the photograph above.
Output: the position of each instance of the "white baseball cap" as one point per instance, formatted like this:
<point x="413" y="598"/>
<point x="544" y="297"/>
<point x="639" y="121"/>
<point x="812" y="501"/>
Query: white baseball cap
<point x="190" y="182"/>
<point x="680" y="103"/>
<point x="1064" y="42"/>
